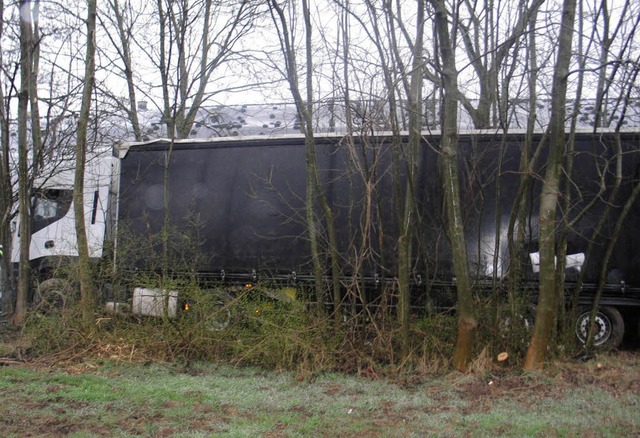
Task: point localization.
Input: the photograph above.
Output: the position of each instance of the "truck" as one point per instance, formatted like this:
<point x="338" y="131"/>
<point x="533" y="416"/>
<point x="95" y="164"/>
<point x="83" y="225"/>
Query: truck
<point x="231" y="213"/>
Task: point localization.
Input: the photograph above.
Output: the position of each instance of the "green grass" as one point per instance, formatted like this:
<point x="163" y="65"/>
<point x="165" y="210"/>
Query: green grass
<point x="208" y="400"/>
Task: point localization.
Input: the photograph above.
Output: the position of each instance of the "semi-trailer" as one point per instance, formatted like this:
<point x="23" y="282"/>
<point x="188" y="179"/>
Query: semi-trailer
<point x="232" y="212"/>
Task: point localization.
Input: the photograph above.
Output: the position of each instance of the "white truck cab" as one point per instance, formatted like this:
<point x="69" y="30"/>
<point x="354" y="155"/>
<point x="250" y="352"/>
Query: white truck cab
<point x="53" y="232"/>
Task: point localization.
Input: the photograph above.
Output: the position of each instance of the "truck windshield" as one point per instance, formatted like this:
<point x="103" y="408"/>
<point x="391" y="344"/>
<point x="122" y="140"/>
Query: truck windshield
<point x="49" y="206"/>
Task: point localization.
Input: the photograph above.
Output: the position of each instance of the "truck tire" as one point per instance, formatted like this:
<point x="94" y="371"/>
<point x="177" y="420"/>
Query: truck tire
<point x="216" y="314"/>
<point x="522" y="323"/>
<point x="609" y="327"/>
<point x="53" y="294"/>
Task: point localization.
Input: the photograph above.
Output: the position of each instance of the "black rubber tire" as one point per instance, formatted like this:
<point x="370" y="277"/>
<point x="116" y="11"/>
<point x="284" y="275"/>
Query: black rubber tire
<point x="53" y="294"/>
<point x="216" y="312"/>
<point x="609" y="327"/>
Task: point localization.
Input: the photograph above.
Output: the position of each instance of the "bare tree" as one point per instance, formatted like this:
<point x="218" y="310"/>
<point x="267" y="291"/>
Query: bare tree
<point x="304" y="108"/>
<point x="549" y="294"/>
<point x="41" y="134"/>
<point x="395" y="40"/>
<point x="487" y="55"/>
<point x="24" y="181"/>
<point x="529" y="154"/>
<point x="615" y="79"/>
<point x="6" y="190"/>
<point x="409" y="217"/>
<point x="87" y="293"/>
<point x="122" y="16"/>
<point x="194" y="47"/>
<point x="607" y="38"/>
<point x="467" y="322"/>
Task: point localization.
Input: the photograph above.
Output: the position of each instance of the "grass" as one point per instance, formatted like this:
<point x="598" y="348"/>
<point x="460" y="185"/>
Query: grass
<point x="115" y="399"/>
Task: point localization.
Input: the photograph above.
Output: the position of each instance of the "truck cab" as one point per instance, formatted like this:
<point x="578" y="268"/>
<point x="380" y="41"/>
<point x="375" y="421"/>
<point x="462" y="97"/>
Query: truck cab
<point x="53" y="235"/>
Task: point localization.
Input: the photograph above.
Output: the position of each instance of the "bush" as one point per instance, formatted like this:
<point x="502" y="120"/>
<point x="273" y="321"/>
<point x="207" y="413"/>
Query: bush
<point x="260" y="326"/>
<point x="53" y="332"/>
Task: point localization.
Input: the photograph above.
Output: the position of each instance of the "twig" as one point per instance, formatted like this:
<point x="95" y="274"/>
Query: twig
<point x="11" y="361"/>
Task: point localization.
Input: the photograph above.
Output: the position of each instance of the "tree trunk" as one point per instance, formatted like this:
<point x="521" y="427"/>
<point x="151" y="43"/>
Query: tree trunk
<point x="605" y="263"/>
<point x="391" y="64"/>
<point x="87" y="292"/>
<point x="36" y="134"/>
<point x="6" y="198"/>
<point x="24" y="186"/>
<point x="546" y="312"/>
<point x="314" y="192"/>
<point x="521" y="204"/>
<point x="124" y="43"/>
<point x="415" y="140"/>
<point x="467" y="322"/>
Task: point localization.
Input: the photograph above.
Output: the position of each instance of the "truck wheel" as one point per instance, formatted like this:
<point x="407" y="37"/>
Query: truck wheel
<point x="521" y="323"/>
<point x="609" y="327"/>
<point x="52" y="294"/>
<point x="216" y="314"/>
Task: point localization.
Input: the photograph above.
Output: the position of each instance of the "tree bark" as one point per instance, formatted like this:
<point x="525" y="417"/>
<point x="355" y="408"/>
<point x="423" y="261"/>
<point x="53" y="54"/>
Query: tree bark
<point x="415" y="140"/>
<point x="546" y="312"/>
<point x="87" y="289"/>
<point x="605" y="263"/>
<point x="520" y="208"/>
<point x="6" y="196"/>
<point x="467" y="323"/>
<point x="314" y="191"/>
<point x="123" y="44"/>
<point x="24" y="186"/>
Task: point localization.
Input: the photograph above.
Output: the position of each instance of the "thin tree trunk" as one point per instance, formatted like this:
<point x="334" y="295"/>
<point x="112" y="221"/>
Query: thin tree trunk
<point x="6" y="202"/>
<point x="24" y="187"/>
<point x="390" y="65"/>
<point x="415" y="140"/>
<point x="87" y="290"/>
<point x="124" y="42"/>
<point x="314" y="190"/>
<point x="36" y="134"/>
<point x="334" y="256"/>
<point x="517" y="228"/>
<point x="167" y="114"/>
<point x="605" y="263"/>
<point x="546" y="311"/>
<point x="467" y="322"/>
